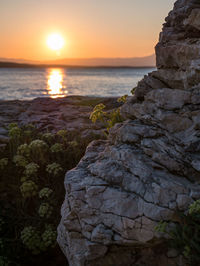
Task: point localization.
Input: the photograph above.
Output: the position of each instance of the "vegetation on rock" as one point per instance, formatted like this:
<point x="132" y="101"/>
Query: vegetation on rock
<point x="184" y="236"/>
<point x="109" y="118"/>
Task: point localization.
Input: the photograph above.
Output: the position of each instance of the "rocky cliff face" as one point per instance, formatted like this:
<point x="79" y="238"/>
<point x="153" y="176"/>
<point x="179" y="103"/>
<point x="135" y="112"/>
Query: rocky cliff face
<point x="150" y="166"/>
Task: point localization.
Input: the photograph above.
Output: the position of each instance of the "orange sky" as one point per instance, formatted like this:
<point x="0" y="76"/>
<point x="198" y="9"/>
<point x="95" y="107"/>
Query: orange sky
<point x="91" y="28"/>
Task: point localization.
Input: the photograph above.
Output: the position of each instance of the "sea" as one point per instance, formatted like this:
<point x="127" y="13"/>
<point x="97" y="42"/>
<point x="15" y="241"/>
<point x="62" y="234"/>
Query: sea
<point x="30" y="83"/>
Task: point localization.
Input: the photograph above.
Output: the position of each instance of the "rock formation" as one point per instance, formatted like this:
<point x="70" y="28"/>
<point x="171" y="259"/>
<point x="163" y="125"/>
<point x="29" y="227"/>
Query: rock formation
<point x="150" y="166"/>
<point x="71" y="113"/>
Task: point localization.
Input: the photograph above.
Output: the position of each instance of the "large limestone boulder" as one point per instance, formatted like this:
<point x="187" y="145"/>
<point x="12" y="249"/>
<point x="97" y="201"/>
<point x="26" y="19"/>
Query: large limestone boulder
<point x="148" y="168"/>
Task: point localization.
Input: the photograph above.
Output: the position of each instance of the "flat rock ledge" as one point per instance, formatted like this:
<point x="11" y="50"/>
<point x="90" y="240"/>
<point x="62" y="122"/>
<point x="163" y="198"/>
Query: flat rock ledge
<point x="47" y="114"/>
<point x="148" y="168"/>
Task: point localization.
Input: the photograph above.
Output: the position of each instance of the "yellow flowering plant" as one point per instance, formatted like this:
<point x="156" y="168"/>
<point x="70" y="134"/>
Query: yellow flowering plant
<point x="32" y="168"/>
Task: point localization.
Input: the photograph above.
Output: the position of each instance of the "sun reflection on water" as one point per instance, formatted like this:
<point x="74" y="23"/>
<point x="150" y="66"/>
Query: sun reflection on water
<point x="55" y="83"/>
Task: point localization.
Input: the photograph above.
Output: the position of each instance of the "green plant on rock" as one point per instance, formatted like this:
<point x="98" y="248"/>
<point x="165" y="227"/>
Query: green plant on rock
<point x="133" y="91"/>
<point x="98" y="113"/>
<point x="194" y="208"/>
<point x="109" y="118"/>
<point x="122" y="99"/>
<point x="185" y="234"/>
<point x="161" y="227"/>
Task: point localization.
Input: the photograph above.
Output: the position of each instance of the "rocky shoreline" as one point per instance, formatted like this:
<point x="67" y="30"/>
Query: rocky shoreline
<point x="47" y="114"/>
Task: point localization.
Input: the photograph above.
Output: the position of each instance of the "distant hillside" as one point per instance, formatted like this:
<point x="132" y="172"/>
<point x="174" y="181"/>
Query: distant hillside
<point x="147" y="61"/>
<point x="20" y="61"/>
<point x="130" y="62"/>
<point x="16" y="65"/>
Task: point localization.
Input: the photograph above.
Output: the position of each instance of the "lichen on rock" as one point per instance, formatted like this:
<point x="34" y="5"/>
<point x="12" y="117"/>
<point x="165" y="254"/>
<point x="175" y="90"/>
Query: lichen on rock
<point x="148" y="168"/>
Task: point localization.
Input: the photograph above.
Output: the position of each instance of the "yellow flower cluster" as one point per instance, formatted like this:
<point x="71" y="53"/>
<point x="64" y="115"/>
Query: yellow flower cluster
<point x="20" y="160"/>
<point x="97" y="113"/>
<point x="31" y="169"/>
<point x="35" y="242"/>
<point x="62" y="133"/>
<point x="48" y="137"/>
<point x="38" y="144"/>
<point x="28" y="189"/>
<point x="73" y="143"/>
<point x="57" y="147"/>
<point x="24" y="150"/>
<point x="54" y="168"/>
<point x="31" y="239"/>
<point x="49" y="237"/>
<point x="45" y="210"/>
<point x="45" y="193"/>
<point x="14" y="132"/>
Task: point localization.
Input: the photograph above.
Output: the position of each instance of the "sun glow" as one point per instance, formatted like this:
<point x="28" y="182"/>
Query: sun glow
<point x="55" y="83"/>
<point x="55" y="42"/>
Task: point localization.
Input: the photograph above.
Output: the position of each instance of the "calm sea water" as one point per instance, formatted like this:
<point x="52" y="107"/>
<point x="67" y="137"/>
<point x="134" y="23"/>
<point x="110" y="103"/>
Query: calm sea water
<point x="29" y="83"/>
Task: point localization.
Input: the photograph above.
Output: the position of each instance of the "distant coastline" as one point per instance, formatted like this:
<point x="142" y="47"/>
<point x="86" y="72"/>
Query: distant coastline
<point x="22" y="65"/>
<point x="121" y="62"/>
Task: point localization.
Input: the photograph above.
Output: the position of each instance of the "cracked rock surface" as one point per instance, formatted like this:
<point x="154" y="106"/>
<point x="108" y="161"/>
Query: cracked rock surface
<point x="148" y="168"/>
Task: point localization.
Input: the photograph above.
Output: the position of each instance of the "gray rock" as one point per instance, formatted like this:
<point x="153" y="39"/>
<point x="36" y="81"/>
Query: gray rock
<point x="194" y="19"/>
<point x="148" y="168"/>
<point x="71" y="113"/>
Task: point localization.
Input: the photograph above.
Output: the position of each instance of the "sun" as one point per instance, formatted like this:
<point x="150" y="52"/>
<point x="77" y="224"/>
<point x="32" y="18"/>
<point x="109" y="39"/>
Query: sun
<point x="55" y="41"/>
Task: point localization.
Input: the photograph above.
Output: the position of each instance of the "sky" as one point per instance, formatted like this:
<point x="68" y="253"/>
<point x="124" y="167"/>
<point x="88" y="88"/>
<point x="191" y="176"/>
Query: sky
<point x="90" y="28"/>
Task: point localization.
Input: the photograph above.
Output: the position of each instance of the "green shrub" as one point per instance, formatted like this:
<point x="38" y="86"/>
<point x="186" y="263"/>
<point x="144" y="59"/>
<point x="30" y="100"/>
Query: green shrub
<point x="32" y="171"/>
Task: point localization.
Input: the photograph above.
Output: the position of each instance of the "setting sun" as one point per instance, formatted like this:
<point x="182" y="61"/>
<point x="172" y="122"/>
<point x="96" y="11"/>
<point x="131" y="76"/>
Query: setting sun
<point x="55" y="41"/>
